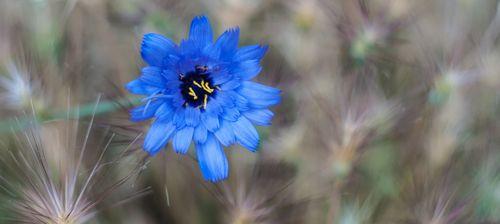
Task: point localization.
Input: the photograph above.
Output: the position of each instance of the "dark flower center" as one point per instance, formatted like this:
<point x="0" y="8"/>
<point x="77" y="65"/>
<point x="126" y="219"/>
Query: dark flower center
<point x="197" y="87"/>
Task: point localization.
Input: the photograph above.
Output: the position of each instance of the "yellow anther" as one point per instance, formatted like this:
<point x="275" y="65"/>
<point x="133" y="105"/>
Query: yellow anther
<point x="192" y="93"/>
<point x="205" y="99"/>
<point x="206" y="87"/>
<point x="198" y="84"/>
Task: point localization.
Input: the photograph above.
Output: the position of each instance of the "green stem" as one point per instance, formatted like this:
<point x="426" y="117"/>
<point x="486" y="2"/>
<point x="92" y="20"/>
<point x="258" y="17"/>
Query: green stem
<point x="19" y="123"/>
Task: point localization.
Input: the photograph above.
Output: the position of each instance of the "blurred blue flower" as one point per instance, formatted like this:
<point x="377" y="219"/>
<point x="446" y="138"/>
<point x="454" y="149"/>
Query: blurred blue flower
<point x="201" y="91"/>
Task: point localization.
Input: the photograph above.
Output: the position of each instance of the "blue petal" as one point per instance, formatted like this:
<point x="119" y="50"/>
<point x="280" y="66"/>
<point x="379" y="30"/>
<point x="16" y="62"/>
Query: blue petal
<point x="170" y="74"/>
<point x="232" y="84"/>
<point x="259" y="96"/>
<point x="247" y="70"/>
<point x="212" y="160"/>
<point x="192" y="116"/>
<point x="260" y="116"/>
<point x="182" y="140"/>
<point x="172" y="86"/>
<point x="246" y="134"/>
<point x="214" y="106"/>
<point x="158" y="136"/>
<point x="231" y="113"/>
<point x="152" y="76"/>
<point x="220" y="77"/>
<point x="210" y="121"/>
<point x="164" y="112"/>
<point x="172" y="59"/>
<point x="178" y="101"/>
<point x="228" y="43"/>
<point x="180" y="118"/>
<point x="156" y="48"/>
<point x="200" y="133"/>
<point x="189" y="48"/>
<point x="139" y="87"/>
<point x="254" y="52"/>
<point x="200" y="32"/>
<point x="241" y="102"/>
<point x="145" y="111"/>
<point x="225" y="134"/>
<point x="226" y="98"/>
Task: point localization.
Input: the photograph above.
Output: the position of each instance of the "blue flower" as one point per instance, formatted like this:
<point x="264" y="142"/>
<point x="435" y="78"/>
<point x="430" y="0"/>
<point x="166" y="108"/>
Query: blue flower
<point x="201" y="91"/>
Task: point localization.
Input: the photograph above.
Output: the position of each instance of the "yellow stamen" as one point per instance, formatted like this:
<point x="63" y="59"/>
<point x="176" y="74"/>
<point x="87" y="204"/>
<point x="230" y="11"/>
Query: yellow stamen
<point x="205" y="99"/>
<point x="192" y="93"/>
<point x="206" y="87"/>
<point x="198" y="84"/>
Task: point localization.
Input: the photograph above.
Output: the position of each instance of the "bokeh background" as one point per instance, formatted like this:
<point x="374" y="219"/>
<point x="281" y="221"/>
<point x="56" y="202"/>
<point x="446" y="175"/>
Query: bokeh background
<point x="390" y="110"/>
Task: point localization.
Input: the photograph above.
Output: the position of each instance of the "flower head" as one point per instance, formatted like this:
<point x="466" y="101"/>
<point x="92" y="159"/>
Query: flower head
<point x="201" y="91"/>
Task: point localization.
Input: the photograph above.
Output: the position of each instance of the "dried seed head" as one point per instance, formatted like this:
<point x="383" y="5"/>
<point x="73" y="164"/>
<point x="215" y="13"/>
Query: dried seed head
<point x="61" y="189"/>
<point x="18" y="91"/>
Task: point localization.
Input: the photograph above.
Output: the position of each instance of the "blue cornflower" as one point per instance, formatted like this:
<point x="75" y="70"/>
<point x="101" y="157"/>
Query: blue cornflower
<point x="201" y="91"/>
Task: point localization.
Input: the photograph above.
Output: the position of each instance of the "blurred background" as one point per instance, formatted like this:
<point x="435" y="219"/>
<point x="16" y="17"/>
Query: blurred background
<point x="389" y="113"/>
